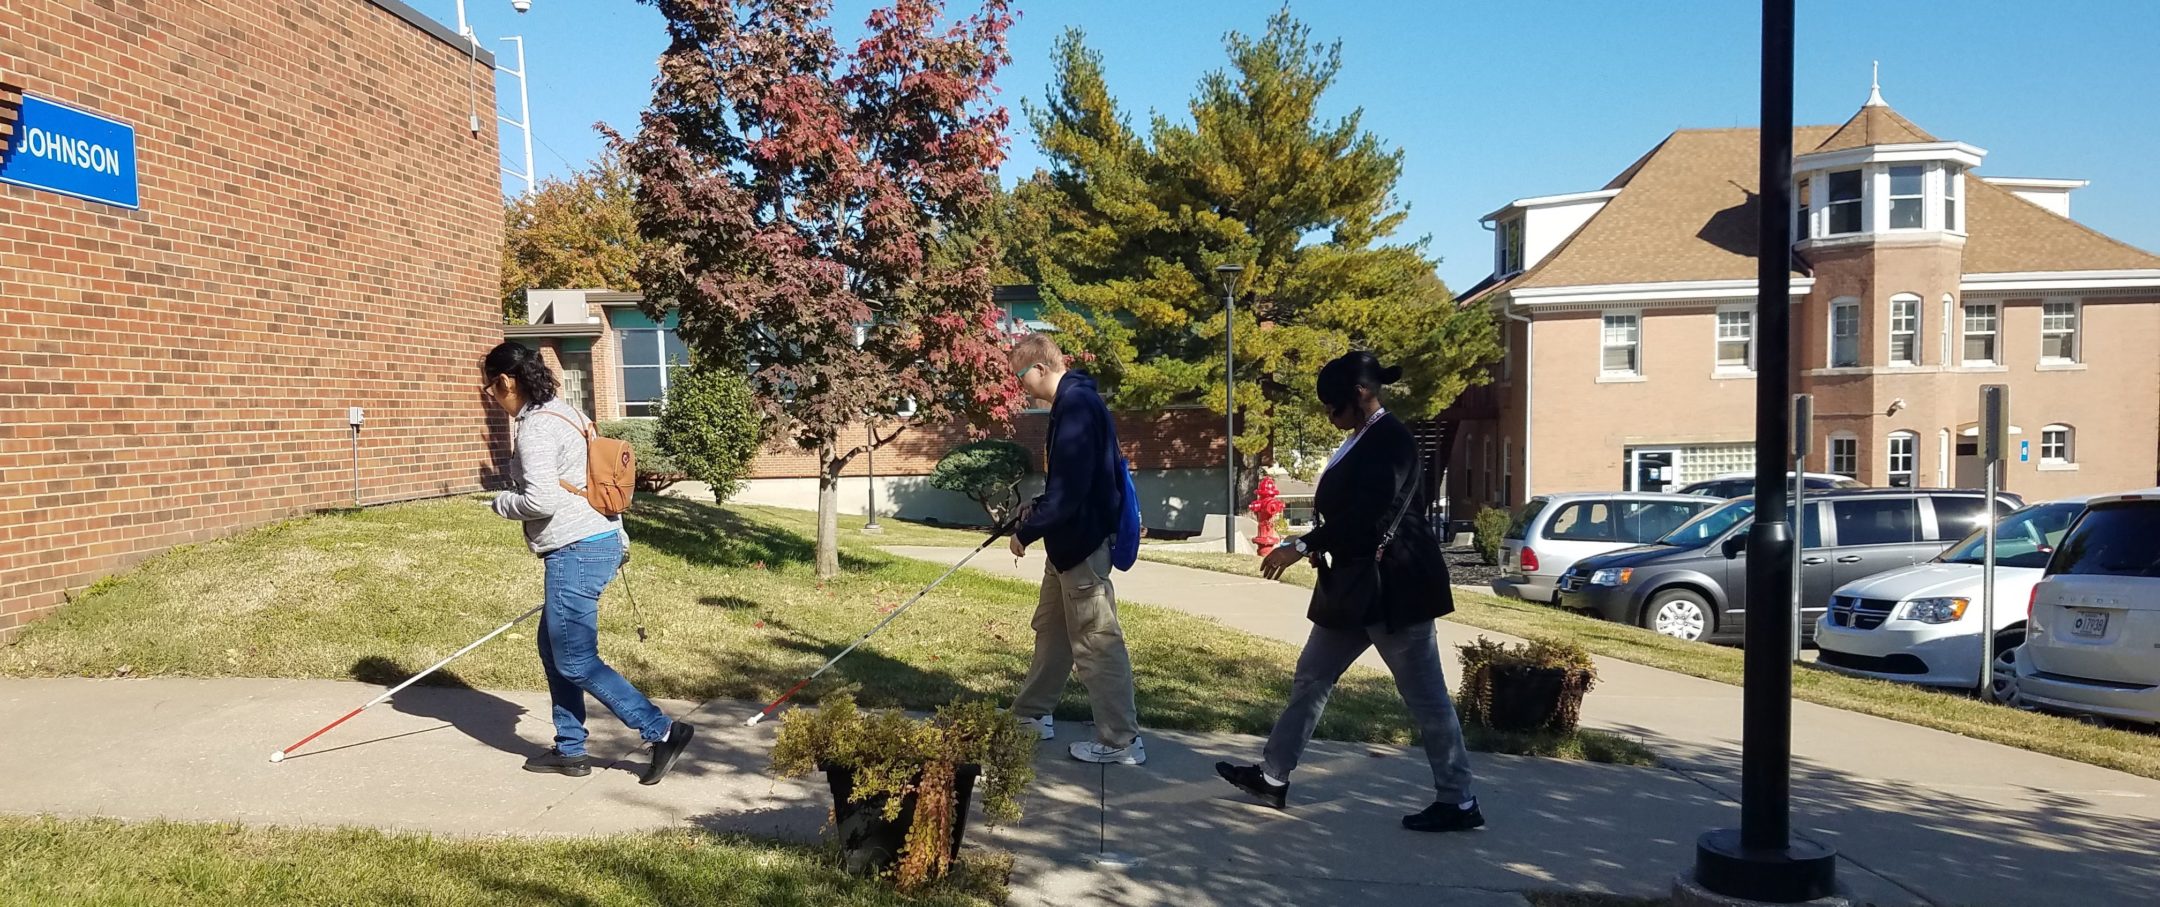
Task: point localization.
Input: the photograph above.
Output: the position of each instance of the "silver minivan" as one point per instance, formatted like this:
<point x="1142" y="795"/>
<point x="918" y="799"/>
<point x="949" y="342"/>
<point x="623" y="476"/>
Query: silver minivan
<point x="1552" y="532"/>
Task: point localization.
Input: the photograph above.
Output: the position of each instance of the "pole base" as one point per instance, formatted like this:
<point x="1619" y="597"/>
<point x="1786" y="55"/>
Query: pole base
<point x="1802" y="872"/>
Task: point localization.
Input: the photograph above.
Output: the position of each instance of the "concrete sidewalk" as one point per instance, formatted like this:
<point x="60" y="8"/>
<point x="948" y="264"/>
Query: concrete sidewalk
<point x="1949" y="819"/>
<point x="446" y="761"/>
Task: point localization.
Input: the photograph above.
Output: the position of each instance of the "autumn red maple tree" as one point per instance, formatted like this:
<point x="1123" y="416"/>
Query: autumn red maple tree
<point x="812" y="212"/>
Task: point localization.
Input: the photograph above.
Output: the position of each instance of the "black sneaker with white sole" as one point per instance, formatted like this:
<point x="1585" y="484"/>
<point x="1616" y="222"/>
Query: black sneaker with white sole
<point x="1441" y="817"/>
<point x="665" y="752"/>
<point x="1250" y="779"/>
<point x="553" y="762"/>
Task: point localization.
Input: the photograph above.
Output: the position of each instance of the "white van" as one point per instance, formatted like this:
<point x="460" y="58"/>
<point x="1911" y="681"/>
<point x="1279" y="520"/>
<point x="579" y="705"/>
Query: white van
<point x="1552" y="532"/>
<point x="1921" y="624"/>
<point x="2092" y="645"/>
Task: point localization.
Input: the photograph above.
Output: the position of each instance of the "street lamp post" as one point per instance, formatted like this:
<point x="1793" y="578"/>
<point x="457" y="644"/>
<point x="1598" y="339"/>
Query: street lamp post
<point x="1227" y="275"/>
<point x="1760" y="860"/>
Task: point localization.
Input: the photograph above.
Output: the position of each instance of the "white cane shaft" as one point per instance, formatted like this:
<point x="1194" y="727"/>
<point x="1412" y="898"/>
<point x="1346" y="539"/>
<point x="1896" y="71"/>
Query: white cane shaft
<point x="393" y="691"/>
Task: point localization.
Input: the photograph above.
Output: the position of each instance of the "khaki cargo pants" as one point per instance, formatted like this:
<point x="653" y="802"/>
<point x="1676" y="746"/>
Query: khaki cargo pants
<point x="1076" y="627"/>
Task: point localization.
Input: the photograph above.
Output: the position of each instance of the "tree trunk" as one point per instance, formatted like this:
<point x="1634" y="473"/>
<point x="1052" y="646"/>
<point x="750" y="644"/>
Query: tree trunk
<point x="828" y="515"/>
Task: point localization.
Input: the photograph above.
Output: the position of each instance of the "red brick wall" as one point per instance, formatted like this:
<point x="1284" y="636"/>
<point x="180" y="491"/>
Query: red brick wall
<point x="318" y="229"/>
<point x="1162" y="439"/>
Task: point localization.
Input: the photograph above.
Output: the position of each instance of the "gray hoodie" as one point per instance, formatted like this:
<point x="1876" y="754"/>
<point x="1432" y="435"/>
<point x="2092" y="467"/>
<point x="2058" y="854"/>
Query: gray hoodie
<point x="544" y="449"/>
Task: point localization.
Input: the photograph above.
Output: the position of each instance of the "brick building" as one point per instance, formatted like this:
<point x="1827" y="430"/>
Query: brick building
<point x="1629" y="317"/>
<point x="615" y="360"/>
<point x="306" y="223"/>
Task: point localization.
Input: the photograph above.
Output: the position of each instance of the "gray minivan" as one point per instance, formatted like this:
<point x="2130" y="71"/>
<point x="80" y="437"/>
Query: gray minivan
<point x="1692" y="584"/>
<point x="1552" y="532"/>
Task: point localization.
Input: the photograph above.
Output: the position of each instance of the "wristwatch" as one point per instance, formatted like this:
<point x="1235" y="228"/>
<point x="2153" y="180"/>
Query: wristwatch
<point x="1298" y="544"/>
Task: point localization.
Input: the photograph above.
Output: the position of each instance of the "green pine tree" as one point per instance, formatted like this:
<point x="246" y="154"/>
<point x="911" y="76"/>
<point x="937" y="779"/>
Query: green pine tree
<point x="1123" y="232"/>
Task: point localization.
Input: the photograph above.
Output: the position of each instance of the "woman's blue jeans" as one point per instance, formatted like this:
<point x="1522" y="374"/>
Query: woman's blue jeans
<point x="570" y="645"/>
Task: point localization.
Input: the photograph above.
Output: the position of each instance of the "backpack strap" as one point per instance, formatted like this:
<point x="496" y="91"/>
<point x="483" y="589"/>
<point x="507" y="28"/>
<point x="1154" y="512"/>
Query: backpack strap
<point x="584" y="431"/>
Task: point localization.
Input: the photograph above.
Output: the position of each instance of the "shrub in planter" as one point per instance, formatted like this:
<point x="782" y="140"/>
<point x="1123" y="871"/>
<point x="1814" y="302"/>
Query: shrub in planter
<point x="1534" y="686"/>
<point x="1492" y="524"/>
<point x="709" y="425"/>
<point x="655" y="469"/>
<point x="988" y="472"/>
<point x="901" y="785"/>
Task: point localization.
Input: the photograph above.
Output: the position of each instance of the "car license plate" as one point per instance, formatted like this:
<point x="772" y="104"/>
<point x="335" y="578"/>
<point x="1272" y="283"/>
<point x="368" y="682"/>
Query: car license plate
<point x="2091" y="624"/>
<point x="1570" y="584"/>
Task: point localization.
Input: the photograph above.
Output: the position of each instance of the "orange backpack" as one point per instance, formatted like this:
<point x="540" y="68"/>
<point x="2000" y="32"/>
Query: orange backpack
<point x="610" y="471"/>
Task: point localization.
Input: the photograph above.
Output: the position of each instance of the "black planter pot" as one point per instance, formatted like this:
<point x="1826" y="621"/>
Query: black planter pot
<point x="1526" y="699"/>
<point x="868" y="843"/>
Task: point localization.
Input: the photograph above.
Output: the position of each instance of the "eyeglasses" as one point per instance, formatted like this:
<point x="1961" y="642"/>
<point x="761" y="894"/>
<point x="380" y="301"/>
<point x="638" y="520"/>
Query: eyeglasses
<point x="1024" y="372"/>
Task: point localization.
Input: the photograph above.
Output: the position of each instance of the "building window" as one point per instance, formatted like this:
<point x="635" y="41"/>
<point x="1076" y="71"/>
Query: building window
<point x="1953" y="193"/>
<point x="1904" y="329"/>
<point x="2059" y="331"/>
<point x="1622" y="345"/>
<point x="649" y="359"/>
<point x="1902" y="458"/>
<point x="1802" y="228"/>
<point x="1511" y="246"/>
<point x="1507" y="471"/>
<point x="1735" y="340"/>
<point x="1845" y="455"/>
<point x="2055" y="445"/>
<point x="1846" y="199"/>
<point x="1845" y="333"/>
<point x="1980" y="331"/>
<point x="1908" y="197"/>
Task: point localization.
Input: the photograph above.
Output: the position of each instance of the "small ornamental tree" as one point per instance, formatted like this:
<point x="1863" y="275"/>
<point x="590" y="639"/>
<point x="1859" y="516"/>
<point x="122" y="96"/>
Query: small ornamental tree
<point x="807" y="212"/>
<point x="988" y="472"/>
<point x="708" y="425"/>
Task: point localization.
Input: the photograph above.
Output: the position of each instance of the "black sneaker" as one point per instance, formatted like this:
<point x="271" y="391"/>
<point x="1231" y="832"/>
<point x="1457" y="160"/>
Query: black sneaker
<point x="665" y="752"/>
<point x="1250" y="779"/>
<point x="1446" y="817"/>
<point x="554" y="762"/>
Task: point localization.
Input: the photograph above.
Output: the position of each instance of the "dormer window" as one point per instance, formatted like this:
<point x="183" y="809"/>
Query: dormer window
<point x="1847" y="201"/>
<point x="1511" y="246"/>
<point x="1908" y="195"/>
<point x="1953" y="193"/>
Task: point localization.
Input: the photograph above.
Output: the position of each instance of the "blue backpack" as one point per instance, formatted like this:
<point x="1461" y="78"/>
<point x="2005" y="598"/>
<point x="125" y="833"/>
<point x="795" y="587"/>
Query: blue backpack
<point x="1125" y="548"/>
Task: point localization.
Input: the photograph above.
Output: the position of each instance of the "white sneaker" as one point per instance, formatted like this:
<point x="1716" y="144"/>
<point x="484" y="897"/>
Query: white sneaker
<point x="1105" y="754"/>
<point x="1046" y="726"/>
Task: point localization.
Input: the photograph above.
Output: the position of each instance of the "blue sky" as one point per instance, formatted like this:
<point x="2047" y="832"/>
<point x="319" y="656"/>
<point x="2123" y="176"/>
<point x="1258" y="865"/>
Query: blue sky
<point x="1496" y="101"/>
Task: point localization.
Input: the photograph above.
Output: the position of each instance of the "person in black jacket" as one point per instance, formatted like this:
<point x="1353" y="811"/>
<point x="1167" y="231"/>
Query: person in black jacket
<point x="1076" y="622"/>
<point x="1371" y="498"/>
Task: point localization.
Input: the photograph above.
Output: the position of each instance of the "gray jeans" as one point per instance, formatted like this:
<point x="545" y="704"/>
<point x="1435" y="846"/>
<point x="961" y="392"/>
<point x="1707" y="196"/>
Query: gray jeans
<point x="1413" y="656"/>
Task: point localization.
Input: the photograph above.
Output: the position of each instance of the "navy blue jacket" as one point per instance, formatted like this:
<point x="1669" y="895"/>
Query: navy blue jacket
<point x="1078" y="509"/>
<point x="1355" y="500"/>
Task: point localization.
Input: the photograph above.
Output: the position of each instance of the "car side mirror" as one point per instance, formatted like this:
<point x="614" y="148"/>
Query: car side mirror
<point x="1735" y="546"/>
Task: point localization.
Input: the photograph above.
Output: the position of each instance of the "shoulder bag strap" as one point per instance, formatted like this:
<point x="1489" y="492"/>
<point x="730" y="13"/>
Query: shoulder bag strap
<point x="1409" y="492"/>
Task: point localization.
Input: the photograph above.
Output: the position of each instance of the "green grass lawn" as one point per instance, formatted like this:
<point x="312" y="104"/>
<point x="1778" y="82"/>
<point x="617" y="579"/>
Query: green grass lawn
<point x="2116" y="748"/>
<point x="102" y="862"/>
<point x="729" y="595"/>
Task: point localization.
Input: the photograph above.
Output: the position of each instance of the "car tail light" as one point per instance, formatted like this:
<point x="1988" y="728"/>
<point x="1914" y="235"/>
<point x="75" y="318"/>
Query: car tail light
<point x="2030" y="602"/>
<point x="1529" y="561"/>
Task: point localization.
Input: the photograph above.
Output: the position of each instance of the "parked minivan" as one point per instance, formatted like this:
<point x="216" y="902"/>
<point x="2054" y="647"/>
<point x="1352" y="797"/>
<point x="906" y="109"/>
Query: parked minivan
<point x="1922" y="624"/>
<point x="1692" y="584"/>
<point x="2092" y="640"/>
<point x="1552" y="532"/>
<point x="1742" y="484"/>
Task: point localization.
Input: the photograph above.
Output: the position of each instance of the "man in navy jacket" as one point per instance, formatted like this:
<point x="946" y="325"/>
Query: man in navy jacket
<point x="1076" y="624"/>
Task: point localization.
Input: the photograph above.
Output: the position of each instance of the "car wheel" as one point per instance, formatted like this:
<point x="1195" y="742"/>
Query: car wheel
<point x="2002" y="675"/>
<point x="1680" y="614"/>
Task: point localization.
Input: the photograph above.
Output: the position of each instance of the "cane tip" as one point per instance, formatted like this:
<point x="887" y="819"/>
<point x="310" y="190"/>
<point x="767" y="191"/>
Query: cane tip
<point x="754" y="719"/>
<point x="278" y="756"/>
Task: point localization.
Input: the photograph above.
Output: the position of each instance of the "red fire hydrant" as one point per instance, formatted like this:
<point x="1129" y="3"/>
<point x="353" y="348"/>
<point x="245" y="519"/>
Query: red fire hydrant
<point x="1266" y="506"/>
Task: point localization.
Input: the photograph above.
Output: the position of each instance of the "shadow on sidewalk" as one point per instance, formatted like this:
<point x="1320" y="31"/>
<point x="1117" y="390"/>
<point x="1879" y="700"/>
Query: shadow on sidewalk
<point x="448" y="698"/>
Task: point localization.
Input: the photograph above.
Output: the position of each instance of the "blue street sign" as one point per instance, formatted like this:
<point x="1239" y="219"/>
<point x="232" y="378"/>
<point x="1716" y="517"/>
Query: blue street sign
<point x="2024" y="451"/>
<point x="62" y="149"/>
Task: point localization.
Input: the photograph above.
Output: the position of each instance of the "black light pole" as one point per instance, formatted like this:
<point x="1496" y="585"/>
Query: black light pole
<point x="1228" y="275"/>
<point x="1760" y="861"/>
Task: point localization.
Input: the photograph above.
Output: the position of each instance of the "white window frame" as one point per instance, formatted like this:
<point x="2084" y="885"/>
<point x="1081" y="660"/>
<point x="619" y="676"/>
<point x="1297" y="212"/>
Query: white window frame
<point x="1718" y="341"/>
<point x="1951" y="206"/>
<point x="1509" y="240"/>
<point x="1890" y="352"/>
<point x="1852" y="454"/>
<point x="1634" y="316"/>
<point x="623" y="368"/>
<point x="1891" y="198"/>
<point x="1966" y="333"/>
<point x="2068" y="454"/>
<point x="2075" y="331"/>
<point x="1803" y="194"/>
<point x="1852" y="304"/>
<point x="1911" y="472"/>
<point x="1830" y="204"/>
